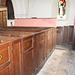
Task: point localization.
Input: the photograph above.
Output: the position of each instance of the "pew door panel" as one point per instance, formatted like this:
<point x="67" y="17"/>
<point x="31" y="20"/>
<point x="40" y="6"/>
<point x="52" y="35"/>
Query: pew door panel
<point x="16" y="47"/>
<point x="28" y="68"/>
<point x="28" y="55"/>
<point x="41" y="47"/>
<point x="36" y="52"/>
<point x="5" y="59"/>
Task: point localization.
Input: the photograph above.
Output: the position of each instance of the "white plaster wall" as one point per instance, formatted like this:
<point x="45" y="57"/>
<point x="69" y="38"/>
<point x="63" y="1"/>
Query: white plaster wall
<point x="20" y="8"/>
<point x="54" y="8"/>
<point x="49" y="9"/>
<point x="34" y="8"/>
<point x="44" y="9"/>
<point x="26" y="7"/>
<point x="71" y="12"/>
<point x="40" y="8"/>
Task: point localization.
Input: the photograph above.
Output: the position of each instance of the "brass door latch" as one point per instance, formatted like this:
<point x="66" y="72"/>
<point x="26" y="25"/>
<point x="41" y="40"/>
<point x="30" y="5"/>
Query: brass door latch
<point x="1" y="57"/>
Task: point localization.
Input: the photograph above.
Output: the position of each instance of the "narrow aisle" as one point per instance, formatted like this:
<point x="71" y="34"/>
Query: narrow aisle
<point x="61" y="62"/>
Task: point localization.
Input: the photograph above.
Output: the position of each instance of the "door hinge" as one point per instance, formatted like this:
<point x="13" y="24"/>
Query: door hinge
<point x="33" y="41"/>
<point x="12" y="51"/>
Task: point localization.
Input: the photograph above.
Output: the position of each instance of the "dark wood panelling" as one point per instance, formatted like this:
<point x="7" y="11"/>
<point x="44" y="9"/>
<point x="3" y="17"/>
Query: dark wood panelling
<point x="3" y="3"/>
<point x="3" y="18"/>
<point x="50" y="41"/>
<point x="54" y="38"/>
<point x="59" y="35"/>
<point x="46" y="44"/>
<point x="70" y="34"/>
<point x="65" y="35"/>
<point x="73" y="41"/>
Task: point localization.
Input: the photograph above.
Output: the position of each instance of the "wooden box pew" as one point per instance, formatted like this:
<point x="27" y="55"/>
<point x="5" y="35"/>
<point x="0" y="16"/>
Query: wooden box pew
<point x="42" y="44"/>
<point x="39" y="37"/>
<point x="10" y="57"/>
<point x="40" y="52"/>
<point x="37" y="52"/>
<point x="45" y="33"/>
<point x="25" y="54"/>
<point x="22" y="32"/>
<point x="27" y="30"/>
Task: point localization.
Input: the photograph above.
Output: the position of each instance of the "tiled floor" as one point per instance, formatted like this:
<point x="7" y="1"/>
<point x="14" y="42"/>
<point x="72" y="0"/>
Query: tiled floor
<point x="61" y="62"/>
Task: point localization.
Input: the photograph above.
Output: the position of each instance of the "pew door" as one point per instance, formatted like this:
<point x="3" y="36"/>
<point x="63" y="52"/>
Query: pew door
<point x="28" y="55"/>
<point x="16" y="47"/>
<point x="5" y="59"/>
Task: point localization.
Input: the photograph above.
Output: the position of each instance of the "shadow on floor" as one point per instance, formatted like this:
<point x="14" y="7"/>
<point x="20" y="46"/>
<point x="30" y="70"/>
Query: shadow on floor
<point x="61" y="62"/>
<point x="64" y="46"/>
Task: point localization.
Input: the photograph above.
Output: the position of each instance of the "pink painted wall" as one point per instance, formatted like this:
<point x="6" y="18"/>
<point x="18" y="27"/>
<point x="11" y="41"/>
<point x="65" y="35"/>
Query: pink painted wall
<point x="39" y="22"/>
